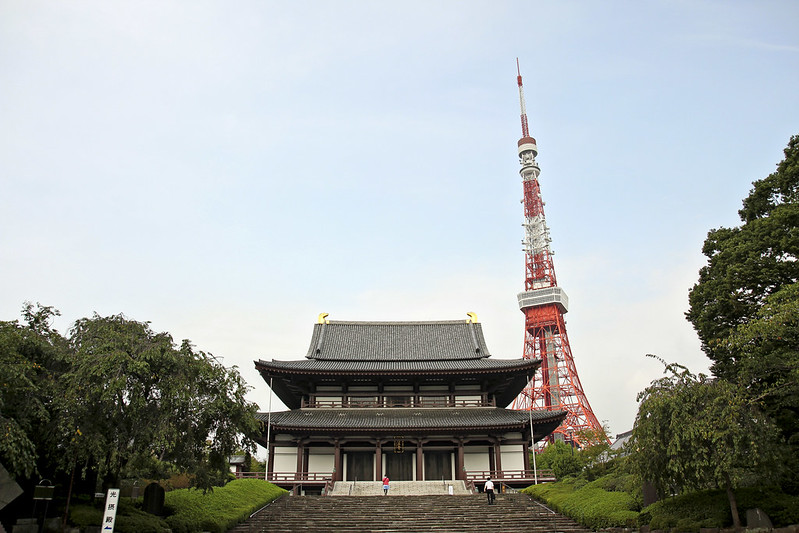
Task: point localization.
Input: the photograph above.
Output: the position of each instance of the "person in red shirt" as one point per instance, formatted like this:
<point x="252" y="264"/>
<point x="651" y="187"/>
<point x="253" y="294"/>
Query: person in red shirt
<point x="385" y="485"/>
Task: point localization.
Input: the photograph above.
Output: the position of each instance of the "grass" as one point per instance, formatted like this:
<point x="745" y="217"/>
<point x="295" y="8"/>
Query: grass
<point x="221" y="509"/>
<point x="591" y="504"/>
<point x="614" y="500"/>
<point x="188" y="510"/>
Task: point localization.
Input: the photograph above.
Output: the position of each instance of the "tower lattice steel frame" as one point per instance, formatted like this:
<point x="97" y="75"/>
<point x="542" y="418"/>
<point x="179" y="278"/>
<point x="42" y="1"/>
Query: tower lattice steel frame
<point x="557" y="386"/>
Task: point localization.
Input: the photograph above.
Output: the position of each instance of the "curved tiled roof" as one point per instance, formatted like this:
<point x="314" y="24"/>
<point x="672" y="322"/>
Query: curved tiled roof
<point x="313" y="366"/>
<point x="397" y="341"/>
<point x="410" y="419"/>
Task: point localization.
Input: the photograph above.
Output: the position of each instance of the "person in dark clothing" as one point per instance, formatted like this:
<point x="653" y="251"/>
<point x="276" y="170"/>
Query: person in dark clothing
<point x="488" y="488"/>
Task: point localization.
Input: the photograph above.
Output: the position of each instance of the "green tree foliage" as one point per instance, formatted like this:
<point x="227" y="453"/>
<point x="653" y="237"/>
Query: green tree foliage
<point x="561" y="458"/>
<point x="31" y="355"/>
<point x="767" y="353"/>
<point x="692" y="432"/>
<point x="747" y="264"/>
<point x="136" y="400"/>
<point x="566" y="458"/>
<point x="115" y="397"/>
<point x="746" y="302"/>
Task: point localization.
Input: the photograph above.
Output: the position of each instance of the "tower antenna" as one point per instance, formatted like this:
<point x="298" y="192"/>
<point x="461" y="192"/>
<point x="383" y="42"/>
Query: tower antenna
<point x="525" y="130"/>
<point x="557" y="386"/>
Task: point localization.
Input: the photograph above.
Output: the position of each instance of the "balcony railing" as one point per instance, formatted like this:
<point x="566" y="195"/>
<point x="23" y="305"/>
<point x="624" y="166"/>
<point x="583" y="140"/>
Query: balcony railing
<point x="478" y="476"/>
<point x="475" y="477"/>
<point x="404" y="400"/>
<point x="288" y="477"/>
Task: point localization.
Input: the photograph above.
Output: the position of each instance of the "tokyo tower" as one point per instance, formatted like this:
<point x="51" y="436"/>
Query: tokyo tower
<point x="556" y="386"/>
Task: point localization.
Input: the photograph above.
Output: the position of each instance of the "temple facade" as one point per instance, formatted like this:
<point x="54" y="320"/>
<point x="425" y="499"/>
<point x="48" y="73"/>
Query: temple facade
<point x="411" y="400"/>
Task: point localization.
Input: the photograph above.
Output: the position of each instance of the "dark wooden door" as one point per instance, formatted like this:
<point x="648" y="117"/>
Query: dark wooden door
<point x="360" y="466"/>
<point x="437" y="465"/>
<point x="399" y="466"/>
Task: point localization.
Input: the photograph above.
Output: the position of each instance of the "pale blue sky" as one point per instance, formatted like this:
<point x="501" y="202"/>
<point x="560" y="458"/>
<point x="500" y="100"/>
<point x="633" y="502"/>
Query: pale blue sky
<point x="229" y="170"/>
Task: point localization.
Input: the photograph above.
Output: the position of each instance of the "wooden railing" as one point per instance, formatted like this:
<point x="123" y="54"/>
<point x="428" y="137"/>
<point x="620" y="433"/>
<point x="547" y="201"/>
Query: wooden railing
<point x="472" y="476"/>
<point x="479" y="476"/>
<point x="400" y="400"/>
<point x="288" y="477"/>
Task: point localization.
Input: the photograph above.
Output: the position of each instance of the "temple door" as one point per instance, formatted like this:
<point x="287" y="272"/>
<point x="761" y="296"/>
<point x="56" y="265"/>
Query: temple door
<point x="437" y="465"/>
<point x="360" y="466"/>
<point x="399" y="466"/>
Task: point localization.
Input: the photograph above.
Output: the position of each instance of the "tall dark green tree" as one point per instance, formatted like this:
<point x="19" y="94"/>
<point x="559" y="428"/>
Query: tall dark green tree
<point x="749" y="263"/>
<point x="693" y="432"/>
<point x="135" y="400"/>
<point x="766" y="351"/>
<point x="746" y="302"/>
<point x="32" y="358"/>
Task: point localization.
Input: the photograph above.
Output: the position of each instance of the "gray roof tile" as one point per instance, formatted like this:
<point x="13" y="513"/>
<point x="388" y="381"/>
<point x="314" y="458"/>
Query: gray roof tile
<point x="409" y="419"/>
<point x="397" y="341"/>
<point x="379" y="367"/>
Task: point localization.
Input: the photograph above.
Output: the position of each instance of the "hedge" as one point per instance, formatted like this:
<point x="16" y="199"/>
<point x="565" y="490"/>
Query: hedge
<point x="219" y="510"/>
<point x="188" y="510"/>
<point x="590" y="504"/>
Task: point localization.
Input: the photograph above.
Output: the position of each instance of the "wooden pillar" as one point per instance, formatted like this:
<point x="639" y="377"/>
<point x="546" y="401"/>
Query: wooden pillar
<point x="460" y="474"/>
<point x="419" y="461"/>
<point x="300" y="458"/>
<point x="526" y="456"/>
<point x="379" y="460"/>
<point x="498" y="457"/>
<point x="270" y="468"/>
<point x="337" y="473"/>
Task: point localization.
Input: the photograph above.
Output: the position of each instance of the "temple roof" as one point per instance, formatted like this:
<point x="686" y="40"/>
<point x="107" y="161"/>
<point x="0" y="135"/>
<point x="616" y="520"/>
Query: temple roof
<point x="412" y="420"/>
<point x="397" y="341"/>
<point x="394" y="351"/>
<point x="399" y="367"/>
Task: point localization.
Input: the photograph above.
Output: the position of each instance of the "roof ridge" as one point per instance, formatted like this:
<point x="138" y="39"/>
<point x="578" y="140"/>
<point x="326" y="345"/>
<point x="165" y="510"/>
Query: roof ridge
<point x="394" y="322"/>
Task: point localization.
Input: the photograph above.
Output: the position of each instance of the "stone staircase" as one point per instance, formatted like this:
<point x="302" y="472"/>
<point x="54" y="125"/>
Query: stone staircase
<point x="437" y="513"/>
<point x="399" y="488"/>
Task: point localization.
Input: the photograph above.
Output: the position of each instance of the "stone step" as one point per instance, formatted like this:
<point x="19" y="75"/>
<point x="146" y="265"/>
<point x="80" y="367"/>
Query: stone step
<point x="436" y="513"/>
<point x="399" y="488"/>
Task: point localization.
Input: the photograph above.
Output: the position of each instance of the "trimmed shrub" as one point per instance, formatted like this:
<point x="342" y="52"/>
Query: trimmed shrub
<point x="137" y="521"/>
<point x="710" y="508"/>
<point x="220" y="510"/>
<point x="190" y="510"/>
<point x="82" y="515"/>
<point x="589" y="504"/>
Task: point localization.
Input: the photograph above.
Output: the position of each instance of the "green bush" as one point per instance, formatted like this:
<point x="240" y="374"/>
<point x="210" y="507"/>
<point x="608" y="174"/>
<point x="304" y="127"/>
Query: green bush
<point x="82" y="515"/>
<point x="137" y="521"/>
<point x="590" y="504"/>
<point x="782" y="508"/>
<point x="129" y="518"/>
<point x="688" y="512"/>
<point x="710" y="508"/>
<point x="189" y="510"/>
<point x="219" y="510"/>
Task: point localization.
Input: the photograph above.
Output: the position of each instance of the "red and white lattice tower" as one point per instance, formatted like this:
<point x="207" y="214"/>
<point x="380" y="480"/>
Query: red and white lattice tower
<point x="556" y="385"/>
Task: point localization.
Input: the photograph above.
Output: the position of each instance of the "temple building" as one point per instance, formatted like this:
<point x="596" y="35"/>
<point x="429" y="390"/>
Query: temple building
<point x="411" y="400"/>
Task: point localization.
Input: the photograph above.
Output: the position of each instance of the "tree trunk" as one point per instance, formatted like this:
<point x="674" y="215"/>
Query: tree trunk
<point x="69" y="497"/>
<point x="736" y="520"/>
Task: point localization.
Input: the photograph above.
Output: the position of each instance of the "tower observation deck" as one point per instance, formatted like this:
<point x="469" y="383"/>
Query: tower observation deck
<point x="557" y="386"/>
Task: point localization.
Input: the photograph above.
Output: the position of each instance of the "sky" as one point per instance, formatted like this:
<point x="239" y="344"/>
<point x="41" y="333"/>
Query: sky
<point x="228" y="170"/>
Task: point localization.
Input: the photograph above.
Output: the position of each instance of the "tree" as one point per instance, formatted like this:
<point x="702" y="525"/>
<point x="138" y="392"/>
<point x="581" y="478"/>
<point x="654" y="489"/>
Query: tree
<point x="32" y="357"/>
<point x="747" y="264"/>
<point x="561" y="458"/>
<point x="767" y="353"/>
<point x="135" y="401"/>
<point x="692" y="432"/>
